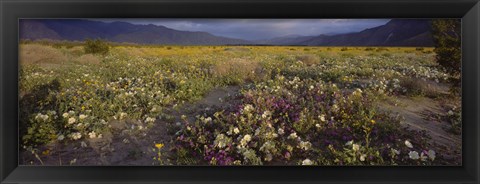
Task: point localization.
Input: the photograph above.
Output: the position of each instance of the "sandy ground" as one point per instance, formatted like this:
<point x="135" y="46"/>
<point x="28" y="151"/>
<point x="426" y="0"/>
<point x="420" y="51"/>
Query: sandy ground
<point x="417" y="112"/>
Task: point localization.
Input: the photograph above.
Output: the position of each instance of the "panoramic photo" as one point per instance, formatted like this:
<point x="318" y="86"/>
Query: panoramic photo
<point x="228" y="92"/>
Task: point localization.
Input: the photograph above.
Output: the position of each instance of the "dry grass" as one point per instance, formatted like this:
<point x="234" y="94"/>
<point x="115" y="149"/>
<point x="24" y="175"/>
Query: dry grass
<point x="243" y="68"/>
<point x="40" y="54"/>
<point x="88" y="59"/>
<point x="48" y="55"/>
<point x="419" y="87"/>
<point x="308" y="59"/>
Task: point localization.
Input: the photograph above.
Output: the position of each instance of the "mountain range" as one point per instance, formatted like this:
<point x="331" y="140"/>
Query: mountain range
<point x="396" y="32"/>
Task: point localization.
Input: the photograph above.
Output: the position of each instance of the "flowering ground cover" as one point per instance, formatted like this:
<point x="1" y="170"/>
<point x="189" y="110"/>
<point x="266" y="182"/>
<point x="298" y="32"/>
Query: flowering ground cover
<point x="236" y="105"/>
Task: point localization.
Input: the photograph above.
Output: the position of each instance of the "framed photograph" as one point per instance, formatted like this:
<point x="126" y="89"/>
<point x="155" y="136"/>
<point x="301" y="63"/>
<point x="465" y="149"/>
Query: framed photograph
<point x="239" y="91"/>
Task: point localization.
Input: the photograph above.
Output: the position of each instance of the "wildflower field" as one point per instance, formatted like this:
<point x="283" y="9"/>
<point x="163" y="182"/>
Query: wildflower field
<point x="236" y="105"/>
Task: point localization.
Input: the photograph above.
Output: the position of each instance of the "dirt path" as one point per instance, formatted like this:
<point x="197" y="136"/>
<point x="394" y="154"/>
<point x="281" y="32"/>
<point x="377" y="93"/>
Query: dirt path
<point x="130" y="142"/>
<point x="416" y="112"/>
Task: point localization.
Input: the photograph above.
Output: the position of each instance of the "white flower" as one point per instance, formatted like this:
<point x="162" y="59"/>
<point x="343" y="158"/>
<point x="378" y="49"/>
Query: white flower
<point x="248" y="108"/>
<point x="149" y="120"/>
<point x="73" y="161"/>
<point x="71" y="120"/>
<point x="92" y="135"/>
<point x="317" y="125"/>
<point x="355" y="147"/>
<point x="60" y="137"/>
<point x="322" y="118"/>
<point x="236" y="130"/>
<point x="396" y="151"/>
<point x="266" y="114"/>
<point x="305" y="145"/>
<point x="280" y="131"/>
<point x="268" y="157"/>
<point x="209" y="119"/>
<point x="76" y="135"/>
<point x="123" y="115"/>
<point x="431" y="154"/>
<point x="450" y="112"/>
<point x="362" y="157"/>
<point x="413" y="155"/>
<point x="293" y="135"/>
<point x="349" y="143"/>
<point x="423" y="157"/>
<point x="220" y="141"/>
<point x="41" y="116"/>
<point x="65" y="115"/>
<point x="334" y="107"/>
<point x="82" y="116"/>
<point x="311" y="87"/>
<point x="307" y="162"/>
<point x="408" y="144"/>
<point x="245" y="140"/>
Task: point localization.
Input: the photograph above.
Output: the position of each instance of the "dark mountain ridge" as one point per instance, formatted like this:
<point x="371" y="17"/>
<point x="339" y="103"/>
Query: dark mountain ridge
<point x="397" y="32"/>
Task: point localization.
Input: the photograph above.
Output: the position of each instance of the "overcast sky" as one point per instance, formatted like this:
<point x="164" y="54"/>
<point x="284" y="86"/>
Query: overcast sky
<point x="257" y="29"/>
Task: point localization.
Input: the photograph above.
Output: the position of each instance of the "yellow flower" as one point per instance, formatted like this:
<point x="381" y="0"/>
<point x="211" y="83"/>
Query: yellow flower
<point x="46" y="152"/>
<point x="159" y="145"/>
<point x="373" y="122"/>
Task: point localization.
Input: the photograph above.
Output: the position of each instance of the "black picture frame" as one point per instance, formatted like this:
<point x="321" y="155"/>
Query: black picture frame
<point x="11" y="11"/>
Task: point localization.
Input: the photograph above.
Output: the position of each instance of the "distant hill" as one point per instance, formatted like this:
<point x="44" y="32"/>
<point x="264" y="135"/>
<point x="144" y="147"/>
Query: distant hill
<point x="79" y="30"/>
<point x="285" y="40"/>
<point x="397" y="32"/>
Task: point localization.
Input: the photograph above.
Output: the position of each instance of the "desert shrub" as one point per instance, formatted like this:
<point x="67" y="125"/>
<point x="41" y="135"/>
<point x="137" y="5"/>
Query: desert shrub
<point x="307" y="59"/>
<point x="369" y="49"/>
<point x="235" y="71"/>
<point x="344" y="49"/>
<point x="419" y="49"/>
<point x="96" y="46"/>
<point x="412" y="86"/>
<point x="447" y="38"/>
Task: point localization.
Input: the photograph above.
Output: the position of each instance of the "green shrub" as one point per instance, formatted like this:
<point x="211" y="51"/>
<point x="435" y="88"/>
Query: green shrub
<point x="447" y="37"/>
<point x="96" y="46"/>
